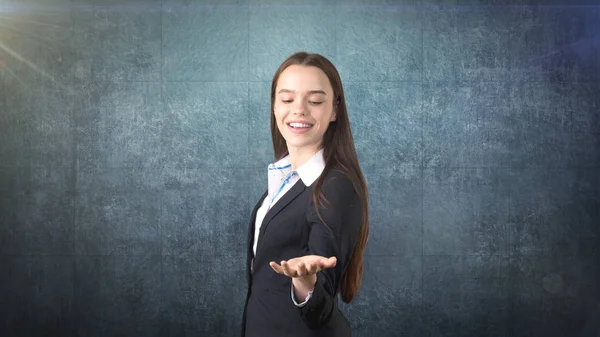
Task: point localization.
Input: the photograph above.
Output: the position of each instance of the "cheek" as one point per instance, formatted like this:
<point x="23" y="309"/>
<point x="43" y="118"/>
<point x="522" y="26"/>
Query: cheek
<point x="278" y="114"/>
<point x="279" y="117"/>
<point x="324" y="117"/>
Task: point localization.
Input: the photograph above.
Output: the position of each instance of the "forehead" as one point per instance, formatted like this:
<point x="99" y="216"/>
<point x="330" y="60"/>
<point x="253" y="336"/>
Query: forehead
<point x="303" y="78"/>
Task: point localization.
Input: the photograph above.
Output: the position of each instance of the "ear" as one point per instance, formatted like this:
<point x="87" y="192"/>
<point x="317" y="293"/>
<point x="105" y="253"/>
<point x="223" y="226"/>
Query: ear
<point x="334" y="114"/>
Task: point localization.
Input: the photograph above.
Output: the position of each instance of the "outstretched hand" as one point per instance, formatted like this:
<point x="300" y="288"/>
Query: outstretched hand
<point x="303" y="266"/>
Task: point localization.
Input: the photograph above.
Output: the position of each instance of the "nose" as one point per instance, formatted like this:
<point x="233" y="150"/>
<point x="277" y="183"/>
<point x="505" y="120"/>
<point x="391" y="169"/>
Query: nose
<point x="299" y="108"/>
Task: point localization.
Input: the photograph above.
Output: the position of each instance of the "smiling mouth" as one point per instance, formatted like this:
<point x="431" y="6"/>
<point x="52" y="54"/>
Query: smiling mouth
<point x="299" y="125"/>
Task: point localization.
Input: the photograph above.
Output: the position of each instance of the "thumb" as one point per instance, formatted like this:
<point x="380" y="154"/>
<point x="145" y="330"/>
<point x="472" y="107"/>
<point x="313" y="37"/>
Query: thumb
<point x="332" y="261"/>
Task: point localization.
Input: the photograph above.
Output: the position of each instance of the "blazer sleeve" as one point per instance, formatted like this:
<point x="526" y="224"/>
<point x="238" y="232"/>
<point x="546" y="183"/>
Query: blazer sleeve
<point x="342" y="213"/>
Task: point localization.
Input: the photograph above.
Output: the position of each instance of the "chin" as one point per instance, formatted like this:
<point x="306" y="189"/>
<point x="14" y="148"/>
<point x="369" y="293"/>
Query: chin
<point x="295" y="142"/>
<point x="300" y="144"/>
<point x="299" y="141"/>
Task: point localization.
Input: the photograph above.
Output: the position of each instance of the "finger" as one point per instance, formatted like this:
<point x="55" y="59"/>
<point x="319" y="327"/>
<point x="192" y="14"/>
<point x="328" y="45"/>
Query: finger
<point x="325" y="263"/>
<point x="301" y="269"/>
<point x="287" y="269"/>
<point x="309" y="268"/>
<point x="277" y="268"/>
<point x="316" y="267"/>
<point x="284" y="267"/>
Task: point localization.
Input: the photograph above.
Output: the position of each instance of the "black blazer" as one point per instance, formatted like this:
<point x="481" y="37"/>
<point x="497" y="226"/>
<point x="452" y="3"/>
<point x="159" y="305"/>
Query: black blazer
<point x="292" y="228"/>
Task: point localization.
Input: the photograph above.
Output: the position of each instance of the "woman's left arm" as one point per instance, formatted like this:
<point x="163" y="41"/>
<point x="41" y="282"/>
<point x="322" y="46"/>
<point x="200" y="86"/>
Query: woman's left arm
<point x="342" y="214"/>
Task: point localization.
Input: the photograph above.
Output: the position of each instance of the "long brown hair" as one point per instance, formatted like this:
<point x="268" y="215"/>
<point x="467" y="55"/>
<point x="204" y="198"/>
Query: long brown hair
<point x="339" y="153"/>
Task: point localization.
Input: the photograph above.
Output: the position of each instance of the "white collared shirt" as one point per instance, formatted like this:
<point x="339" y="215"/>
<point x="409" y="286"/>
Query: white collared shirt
<point x="281" y="178"/>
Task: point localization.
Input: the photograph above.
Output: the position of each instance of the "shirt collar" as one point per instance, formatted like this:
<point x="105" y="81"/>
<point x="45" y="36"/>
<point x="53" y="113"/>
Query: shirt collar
<point x="312" y="169"/>
<point x="308" y="172"/>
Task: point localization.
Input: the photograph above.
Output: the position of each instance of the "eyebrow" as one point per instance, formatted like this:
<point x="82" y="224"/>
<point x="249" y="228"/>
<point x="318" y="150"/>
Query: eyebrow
<point x="310" y="92"/>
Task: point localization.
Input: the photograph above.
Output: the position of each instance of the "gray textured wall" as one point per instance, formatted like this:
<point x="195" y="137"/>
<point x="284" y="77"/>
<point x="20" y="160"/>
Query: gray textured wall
<point x="134" y="140"/>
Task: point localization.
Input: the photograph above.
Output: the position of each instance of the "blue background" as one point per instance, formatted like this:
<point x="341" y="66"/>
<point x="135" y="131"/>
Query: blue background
<point x="134" y="141"/>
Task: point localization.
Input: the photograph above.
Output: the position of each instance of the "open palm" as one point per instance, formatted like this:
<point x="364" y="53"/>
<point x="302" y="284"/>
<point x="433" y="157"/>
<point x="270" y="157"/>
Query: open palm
<point x="304" y="265"/>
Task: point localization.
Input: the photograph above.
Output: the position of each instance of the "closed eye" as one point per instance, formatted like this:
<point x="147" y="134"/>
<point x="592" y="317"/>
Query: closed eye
<point x="287" y="101"/>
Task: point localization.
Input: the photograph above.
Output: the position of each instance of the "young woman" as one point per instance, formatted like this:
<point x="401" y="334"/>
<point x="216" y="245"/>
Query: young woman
<point x="309" y="229"/>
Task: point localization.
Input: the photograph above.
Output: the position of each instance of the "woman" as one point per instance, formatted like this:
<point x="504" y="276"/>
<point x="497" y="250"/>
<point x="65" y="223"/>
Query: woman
<point x="309" y="229"/>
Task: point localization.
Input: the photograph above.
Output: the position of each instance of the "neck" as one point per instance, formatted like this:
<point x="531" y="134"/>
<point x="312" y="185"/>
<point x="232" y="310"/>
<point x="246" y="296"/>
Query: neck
<point x="300" y="155"/>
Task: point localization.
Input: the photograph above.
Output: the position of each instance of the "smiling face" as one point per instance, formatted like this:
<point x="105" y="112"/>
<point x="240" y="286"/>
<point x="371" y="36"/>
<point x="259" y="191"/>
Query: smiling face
<point x="303" y="107"/>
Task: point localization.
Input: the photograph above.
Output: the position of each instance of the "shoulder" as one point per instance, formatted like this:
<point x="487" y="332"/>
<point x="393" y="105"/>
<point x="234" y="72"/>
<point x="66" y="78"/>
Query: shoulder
<point x="337" y="184"/>
<point x="338" y="202"/>
<point x="337" y="178"/>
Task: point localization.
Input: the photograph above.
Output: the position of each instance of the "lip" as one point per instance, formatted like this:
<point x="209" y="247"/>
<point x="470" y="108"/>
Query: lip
<point x="298" y="131"/>
<point x="299" y="121"/>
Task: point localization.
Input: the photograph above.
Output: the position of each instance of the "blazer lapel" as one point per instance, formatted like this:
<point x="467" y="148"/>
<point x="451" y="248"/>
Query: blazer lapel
<point x="250" y="238"/>
<point x="290" y="195"/>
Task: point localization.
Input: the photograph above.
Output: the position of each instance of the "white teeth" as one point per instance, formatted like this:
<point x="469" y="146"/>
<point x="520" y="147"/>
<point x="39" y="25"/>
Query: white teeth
<point x="299" y="125"/>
